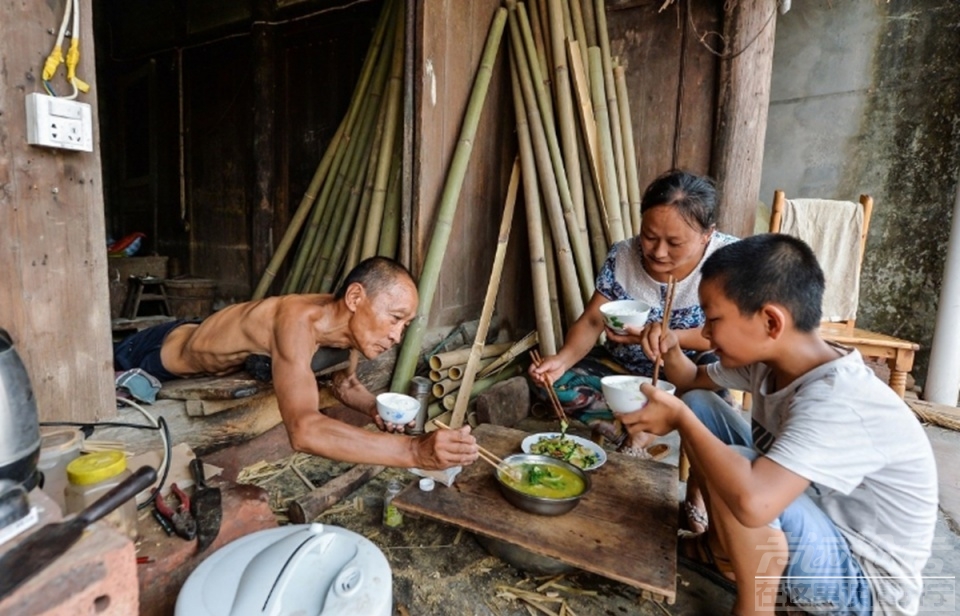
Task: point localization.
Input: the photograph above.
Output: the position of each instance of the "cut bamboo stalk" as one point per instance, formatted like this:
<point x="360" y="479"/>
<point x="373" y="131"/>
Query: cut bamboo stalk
<point x="566" y="117"/>
<point x="358" y="219"/>
<point x="438" y="375"/>
<point x="410" y="350"/>
<point x="356" y="239"/>
<point x="553" y="286"/>
<point x="516" y="350"/>
<point x="458" y="357"/>
<point x="588" y="129"/>
<point x="579" y="30"/>
<point x="390" y="231"/>
<point x="531" y="199"/>
<point x="490" y="300"/>
<point x="310" y="195"/>
<point x="444" y="387"/>
<point x="613" y="113"/>
<point x="456" y="372"/>
<point x="309" y="246"/>
<point x="596" y="229"/>
<point x="629" y="148"/>
<point x="394" y="95"/>
<point x="589" y="22"/>
<point x="608" y="168"/>
<point x="539" y="38"/>
<point x="540" y="8"/>
<point x="349" y="181"/>
<point x="449" y="401"/>
<point x="573" y="287"/>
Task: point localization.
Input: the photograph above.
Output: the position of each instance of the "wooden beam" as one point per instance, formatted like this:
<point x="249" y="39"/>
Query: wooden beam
<point x="307" y="507"/>
<point x="743" y="99"/>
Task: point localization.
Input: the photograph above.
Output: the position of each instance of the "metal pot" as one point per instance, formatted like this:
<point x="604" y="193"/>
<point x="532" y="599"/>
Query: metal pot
<point x="538" y="504"/>
<point x="19" y="426"/>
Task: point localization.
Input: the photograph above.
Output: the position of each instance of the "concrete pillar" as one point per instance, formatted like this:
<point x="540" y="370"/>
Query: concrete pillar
<point x="943" y="375"/>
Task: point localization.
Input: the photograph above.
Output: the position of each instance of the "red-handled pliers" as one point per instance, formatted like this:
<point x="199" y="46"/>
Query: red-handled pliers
<point x="181" y="519"/>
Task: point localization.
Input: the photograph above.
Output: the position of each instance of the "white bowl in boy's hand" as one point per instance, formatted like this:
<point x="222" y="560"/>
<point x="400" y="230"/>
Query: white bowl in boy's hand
<point x="623" y="313"/>
<point x="399" y="409"/>
<point x="623" y="395"/>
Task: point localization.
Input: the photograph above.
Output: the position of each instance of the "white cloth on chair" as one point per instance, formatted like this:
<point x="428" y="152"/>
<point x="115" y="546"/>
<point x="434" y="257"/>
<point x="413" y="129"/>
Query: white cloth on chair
<point x="833" y="230"/>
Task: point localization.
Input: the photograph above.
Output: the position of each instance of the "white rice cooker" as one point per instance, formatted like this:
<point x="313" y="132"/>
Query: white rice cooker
<point x="300" y="569"/>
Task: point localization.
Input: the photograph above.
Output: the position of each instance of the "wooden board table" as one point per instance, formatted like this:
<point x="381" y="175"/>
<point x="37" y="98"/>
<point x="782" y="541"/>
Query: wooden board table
<point x="625" y="529"/>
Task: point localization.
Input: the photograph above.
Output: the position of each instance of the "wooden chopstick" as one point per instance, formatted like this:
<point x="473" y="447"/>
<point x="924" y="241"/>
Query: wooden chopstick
<point x="665" y="324"/>
<point x="554" y="400"/>
<point x="486" y="454"/>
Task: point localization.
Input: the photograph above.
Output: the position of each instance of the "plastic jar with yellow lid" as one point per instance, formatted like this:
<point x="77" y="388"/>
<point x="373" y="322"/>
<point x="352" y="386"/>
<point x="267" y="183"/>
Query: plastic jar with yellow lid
<point x="91" y="476"/>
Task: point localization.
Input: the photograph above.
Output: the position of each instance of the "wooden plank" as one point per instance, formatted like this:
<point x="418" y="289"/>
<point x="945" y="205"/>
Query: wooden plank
<point x="230" y="387"/>
<point x="648" y="44"/>
<point x="698" y="87"/>
<point x="306" y="508"/>
<point x="625" y="529"/>
<point x="54" y="299"/>
<point x="742" y="105"/>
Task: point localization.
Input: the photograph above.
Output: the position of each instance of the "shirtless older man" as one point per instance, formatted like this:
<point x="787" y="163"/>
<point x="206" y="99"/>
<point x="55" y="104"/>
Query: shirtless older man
<point x="368" y="314"/>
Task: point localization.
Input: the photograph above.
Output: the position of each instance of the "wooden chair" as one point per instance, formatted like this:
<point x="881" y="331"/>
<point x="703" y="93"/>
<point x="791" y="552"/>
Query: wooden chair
<point x="897" y="353"/>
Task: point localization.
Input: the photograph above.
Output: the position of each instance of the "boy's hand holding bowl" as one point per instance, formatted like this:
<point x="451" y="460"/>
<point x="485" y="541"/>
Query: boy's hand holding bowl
<point x="627" y="394"/>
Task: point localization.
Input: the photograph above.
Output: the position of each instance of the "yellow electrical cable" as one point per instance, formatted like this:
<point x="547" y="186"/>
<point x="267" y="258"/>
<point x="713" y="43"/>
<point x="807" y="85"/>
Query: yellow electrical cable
<point x="54" y="60"/>
<point x="73" y="59"/>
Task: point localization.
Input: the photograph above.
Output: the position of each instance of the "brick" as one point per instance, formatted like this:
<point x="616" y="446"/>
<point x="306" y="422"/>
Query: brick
<point x="505" y="403"/>
<point x="97" y="575"/>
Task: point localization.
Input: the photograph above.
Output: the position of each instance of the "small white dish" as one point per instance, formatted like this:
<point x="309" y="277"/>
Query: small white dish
<point x="527" y="447"/>
<point x="622" y="391"/>
<point x="619" y="314"/>
<point x="399" y="409"/>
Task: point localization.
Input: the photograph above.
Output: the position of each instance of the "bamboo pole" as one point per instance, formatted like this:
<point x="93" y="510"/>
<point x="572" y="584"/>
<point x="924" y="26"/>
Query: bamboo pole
<point x="393" y="110"/>
<point x="566" y="118"/>
<point x="343" y="195"/>
<point x="516" y="350"/>
<point x="629" y="148"/>
<point x="390" y="229"/>
<point x="553" y="285"/>
<point x="539" y="8"/>
<point x="613" y="113"/>
<point x="539" y="39"/>
<point x="589" y="22"/>
<point x="456" y="372"/>
<point x="490" y="300"/>
<point x="310" y="195"/>
<point x="579" y="29"/>
<point x="410" y="350"/>
<point x="608" y="168"/>
<point x="356" y="239"/>
<point x="588" y="129"/>
<point x="449" y="401"/>
<point x="460" y="356"/>
<point x="596" y="228"/>
<point x="562" y="219"/>
<point x="359" y="207"/>
<point x="531" y="199"/>
<point x="319" y="219"/>
<point x="438" y="375"/>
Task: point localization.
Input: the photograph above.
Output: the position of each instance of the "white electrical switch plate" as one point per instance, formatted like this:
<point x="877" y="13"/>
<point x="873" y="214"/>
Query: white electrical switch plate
<point x="59" y="123"/>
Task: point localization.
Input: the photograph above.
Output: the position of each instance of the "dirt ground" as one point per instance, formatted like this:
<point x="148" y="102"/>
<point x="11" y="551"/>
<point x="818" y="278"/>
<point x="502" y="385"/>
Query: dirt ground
<point x="440" y="570"/>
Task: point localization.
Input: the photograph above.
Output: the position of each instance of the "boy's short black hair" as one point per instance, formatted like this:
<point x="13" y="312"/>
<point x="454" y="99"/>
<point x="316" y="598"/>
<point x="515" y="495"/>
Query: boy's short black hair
<point x="375" y="274"/>
<point x="770" y="268"/>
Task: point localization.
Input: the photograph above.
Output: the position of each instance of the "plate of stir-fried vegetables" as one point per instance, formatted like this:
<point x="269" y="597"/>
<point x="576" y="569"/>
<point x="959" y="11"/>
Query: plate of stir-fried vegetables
<point x="573" y="449"/>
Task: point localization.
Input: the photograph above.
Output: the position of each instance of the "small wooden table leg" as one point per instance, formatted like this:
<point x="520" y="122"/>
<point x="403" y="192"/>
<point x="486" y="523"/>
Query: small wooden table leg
<point x="898" y="379"/>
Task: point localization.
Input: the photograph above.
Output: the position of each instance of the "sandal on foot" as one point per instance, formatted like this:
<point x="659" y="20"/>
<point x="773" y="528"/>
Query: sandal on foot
<point x="658" y="451"/>
<point x="695" y="554"/>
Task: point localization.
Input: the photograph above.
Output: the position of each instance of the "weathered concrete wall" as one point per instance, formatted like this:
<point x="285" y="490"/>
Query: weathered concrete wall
<point x="866" y="99"/>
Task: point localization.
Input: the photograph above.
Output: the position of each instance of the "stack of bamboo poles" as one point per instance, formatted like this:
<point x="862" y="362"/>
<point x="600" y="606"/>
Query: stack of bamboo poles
<point x="351" y="209"/>
<point x="577" y="152"/>
<point x="447" y="371"/>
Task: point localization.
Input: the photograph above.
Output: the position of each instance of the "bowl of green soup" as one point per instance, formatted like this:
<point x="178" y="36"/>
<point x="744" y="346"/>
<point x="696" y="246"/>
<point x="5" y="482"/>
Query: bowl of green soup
<point x="542" y="484"/>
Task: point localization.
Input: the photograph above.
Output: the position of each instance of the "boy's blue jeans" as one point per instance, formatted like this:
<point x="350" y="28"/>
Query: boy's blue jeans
<point x="823" y="576"/>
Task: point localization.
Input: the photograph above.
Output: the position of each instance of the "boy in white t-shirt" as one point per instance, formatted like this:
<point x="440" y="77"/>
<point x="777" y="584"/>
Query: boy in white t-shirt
<point x="828" y="499"/>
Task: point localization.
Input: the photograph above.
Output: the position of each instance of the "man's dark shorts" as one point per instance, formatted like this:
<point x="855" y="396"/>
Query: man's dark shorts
<point x="142" y="350"/>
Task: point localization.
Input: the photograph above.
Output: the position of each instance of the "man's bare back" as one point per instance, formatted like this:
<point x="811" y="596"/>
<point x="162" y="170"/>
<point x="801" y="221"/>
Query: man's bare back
<point x="220" y="344"/>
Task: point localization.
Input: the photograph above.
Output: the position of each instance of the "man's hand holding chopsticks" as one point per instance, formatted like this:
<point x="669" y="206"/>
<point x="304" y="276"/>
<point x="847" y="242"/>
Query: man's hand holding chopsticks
<point x="445" y="448"/>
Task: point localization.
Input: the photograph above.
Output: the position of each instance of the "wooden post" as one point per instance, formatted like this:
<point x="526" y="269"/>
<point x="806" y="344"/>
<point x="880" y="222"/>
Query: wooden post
<point x="743" y="100"/>
<point x="264" y="137"/>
